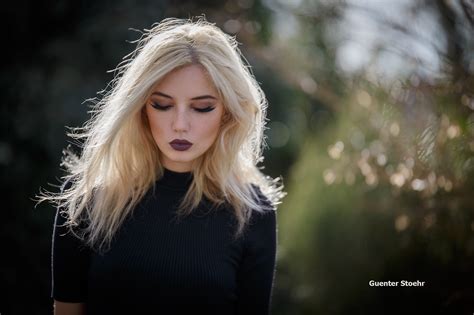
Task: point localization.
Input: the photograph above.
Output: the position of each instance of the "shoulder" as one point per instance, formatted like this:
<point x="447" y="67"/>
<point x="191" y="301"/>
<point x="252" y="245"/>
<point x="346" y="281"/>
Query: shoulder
<point x="63" y="216"/>
<point x="262" y="220"/>
<point x="262" y="200"/>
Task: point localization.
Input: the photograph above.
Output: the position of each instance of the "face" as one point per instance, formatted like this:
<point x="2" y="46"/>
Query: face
<point x="184" y="114"/>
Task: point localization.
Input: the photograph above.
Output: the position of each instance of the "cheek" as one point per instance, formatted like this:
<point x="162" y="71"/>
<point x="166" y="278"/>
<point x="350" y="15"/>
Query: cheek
<point x="155" y="124"/>
<point x="211" y="129"/>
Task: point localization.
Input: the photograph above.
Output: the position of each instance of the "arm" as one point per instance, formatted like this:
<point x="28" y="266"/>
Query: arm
<point x="257" y="271"/>
<point x="63" y="308"/>
<point x="70" y="267"/>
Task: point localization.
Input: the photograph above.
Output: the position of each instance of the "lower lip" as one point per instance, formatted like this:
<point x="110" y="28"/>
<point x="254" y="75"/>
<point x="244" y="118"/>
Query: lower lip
<point x="180" y="147"/>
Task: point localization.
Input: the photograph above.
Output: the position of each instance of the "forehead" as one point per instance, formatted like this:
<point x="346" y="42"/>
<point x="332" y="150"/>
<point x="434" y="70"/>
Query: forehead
<point x="188" y="81"/>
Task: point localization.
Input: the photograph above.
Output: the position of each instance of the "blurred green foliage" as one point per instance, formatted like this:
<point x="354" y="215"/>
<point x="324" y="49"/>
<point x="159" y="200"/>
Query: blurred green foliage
<point x="383" y="192"/>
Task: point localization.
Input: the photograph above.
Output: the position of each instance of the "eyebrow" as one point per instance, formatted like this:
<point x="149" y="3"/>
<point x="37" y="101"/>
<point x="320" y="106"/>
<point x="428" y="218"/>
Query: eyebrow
<point x="201" y="97"/>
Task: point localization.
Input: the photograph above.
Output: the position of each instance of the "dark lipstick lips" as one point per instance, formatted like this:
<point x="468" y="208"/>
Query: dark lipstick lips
<point x="181" y="142"/>
<point x="180" y="145"/>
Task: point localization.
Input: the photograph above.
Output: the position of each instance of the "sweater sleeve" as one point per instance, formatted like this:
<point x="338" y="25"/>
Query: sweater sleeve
<point x="69" y="264"/>
<point x="257" y="270"/>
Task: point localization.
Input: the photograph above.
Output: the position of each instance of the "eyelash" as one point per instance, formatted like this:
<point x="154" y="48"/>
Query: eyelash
<point x="199" y="110"/>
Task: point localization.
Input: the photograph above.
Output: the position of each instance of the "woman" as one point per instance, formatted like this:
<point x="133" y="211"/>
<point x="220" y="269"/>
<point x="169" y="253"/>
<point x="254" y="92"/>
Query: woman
<point x="165" y="210"/>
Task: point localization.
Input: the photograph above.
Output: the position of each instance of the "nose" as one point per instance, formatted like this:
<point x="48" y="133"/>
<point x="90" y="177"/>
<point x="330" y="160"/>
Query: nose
<point x="180" y="121"/>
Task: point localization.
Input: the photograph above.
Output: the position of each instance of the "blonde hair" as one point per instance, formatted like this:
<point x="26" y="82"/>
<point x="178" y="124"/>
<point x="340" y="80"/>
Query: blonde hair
<point x="120" y="160"/>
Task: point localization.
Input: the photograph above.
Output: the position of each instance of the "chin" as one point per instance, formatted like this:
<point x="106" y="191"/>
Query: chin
<point x="180" y="159"/>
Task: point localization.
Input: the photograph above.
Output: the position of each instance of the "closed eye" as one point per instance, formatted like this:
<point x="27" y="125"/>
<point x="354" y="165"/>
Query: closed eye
<point x="205" y="110"/>
<point x="166" y="107"/>
<point x="160" y="107"/>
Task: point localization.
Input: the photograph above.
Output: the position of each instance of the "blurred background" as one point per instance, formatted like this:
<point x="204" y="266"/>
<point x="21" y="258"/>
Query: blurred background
<point x="371" y="126"/>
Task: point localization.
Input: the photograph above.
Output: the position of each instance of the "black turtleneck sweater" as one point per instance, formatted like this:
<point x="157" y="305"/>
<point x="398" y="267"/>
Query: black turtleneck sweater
<point x="159" y="265"/>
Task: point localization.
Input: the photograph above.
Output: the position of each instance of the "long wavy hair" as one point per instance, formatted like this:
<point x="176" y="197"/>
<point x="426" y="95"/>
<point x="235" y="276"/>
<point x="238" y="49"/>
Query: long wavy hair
<point x="120" y="160"/>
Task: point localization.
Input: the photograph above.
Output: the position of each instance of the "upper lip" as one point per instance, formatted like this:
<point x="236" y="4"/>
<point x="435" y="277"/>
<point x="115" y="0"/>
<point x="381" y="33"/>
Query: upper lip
<point x="179" y="141"/>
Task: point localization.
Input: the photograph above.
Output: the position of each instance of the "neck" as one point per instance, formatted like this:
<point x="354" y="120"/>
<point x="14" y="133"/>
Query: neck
<point x="175" y="180"/>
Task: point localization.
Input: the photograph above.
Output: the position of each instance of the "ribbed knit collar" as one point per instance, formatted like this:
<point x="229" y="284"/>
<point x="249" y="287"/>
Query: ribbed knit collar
<point x="175" y="180"/>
